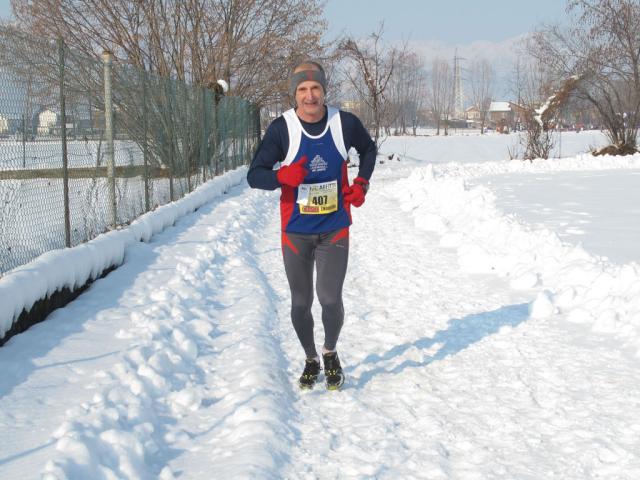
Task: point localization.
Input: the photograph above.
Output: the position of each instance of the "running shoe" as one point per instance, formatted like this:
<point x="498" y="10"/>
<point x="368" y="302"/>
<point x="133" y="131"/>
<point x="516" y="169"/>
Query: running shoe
<point x="310" y="374"/>
<point x="333" y="371"/>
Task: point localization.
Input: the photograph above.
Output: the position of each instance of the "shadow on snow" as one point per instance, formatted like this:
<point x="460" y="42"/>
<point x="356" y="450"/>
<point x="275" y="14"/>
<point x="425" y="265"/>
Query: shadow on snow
<point x="460" y="333"/>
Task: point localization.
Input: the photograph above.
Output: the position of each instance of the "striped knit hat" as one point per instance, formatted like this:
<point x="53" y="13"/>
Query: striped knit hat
<point x="304" y="75"/>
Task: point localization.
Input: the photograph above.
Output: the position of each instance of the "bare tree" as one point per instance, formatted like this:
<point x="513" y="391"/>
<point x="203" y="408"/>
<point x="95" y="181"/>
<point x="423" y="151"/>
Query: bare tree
<point x="440" y="93"/>
<point x="407" y="92"/>
<point x="516" y="81"/>
<point x="534" y="92"/>
<point x="417" y="105"/>
<point x="602" y="48"/>
<point x="417" y="96"/>
<point x="370" y="72"/>
<point x="248" y="43"/>
<point x="482" y="79"/>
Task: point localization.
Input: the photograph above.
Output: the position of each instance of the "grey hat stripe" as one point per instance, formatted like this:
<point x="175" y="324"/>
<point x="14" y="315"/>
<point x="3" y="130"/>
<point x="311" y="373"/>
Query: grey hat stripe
<point x="306" y="75"/>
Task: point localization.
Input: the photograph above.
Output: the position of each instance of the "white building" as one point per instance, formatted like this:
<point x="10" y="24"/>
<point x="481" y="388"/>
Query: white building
<point x="500" y="107"/>
<point x="46" y="122"/>
<point x="472" y="113"/>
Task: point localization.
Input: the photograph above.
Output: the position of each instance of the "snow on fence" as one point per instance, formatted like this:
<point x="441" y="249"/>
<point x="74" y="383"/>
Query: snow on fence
<point x="87" y="145"/>
<point x="64" y="272"/>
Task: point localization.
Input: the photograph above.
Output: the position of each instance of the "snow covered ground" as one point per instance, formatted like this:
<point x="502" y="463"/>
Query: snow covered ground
<point x="469" y="146"/>
<point x="578" y="207"/>
<point x="480" y="340"/>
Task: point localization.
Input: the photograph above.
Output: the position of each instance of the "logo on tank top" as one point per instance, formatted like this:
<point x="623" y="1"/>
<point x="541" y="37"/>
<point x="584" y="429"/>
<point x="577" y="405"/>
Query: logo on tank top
<point x="318" y="164"/>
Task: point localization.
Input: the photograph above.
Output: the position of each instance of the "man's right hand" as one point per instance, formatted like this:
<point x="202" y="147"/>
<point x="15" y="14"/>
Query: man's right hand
<point x="293" y="174"/>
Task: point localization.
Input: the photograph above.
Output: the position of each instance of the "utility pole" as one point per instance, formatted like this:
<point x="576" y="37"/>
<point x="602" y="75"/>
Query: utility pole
<point x="458" y="93"/>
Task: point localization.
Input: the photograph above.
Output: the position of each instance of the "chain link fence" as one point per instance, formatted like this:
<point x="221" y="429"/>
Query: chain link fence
<point x="89" y="144"/>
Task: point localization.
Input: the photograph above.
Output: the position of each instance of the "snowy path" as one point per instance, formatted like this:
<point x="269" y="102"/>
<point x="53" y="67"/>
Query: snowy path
<point x="183" y="364"/>
<point x="185" y="345"/>
<point x="448" y="378"/>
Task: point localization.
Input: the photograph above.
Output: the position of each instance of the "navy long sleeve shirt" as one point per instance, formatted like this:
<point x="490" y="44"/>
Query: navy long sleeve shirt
<point x="275" y="144"/>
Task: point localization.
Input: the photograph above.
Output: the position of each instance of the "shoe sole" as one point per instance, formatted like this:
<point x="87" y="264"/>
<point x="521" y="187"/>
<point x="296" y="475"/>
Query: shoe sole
<point x="335" y="387"/>
<point x="306" y="386"/>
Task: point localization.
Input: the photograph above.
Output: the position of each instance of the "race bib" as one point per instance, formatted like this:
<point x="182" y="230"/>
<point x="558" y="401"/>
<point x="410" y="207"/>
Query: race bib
<point x="318" y="198"/>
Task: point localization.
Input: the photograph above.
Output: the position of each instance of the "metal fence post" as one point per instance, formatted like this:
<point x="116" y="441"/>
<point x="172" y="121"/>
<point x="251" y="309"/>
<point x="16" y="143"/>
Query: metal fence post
<point x="172" y="164"/>
<point x="107" y="58"/>
<point x="258" y="125"/>
<point x="215" y="132"/>
<point x="65" y="158"/>
<point x="245" y="131"/>
<point x="145" y="146"/>
<point x="24" y="141"/>
<point x="234" y="135"/>
<point x="186" y="152"/>
<point x="205" y="136"/>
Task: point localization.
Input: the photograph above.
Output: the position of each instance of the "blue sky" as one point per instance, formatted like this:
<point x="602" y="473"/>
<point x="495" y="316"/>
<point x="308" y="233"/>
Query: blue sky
<point x="446" y="21"/>
<point x="469" y="28"/>
<point x="5" y="8"/>
<point x="472" y="29"/>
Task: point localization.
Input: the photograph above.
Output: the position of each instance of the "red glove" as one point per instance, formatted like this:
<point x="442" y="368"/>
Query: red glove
<point x="356" y="192"/>
<point x="293" y="174"/>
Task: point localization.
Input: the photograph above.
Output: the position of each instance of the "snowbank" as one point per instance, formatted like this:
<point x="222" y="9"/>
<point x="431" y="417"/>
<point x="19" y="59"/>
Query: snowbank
<point x="582" y="162"/>
<point x="198" y="378"/>
<point x="570" y="282"/>
<point x="465" y="146"/>
<point x="73" y="267"/>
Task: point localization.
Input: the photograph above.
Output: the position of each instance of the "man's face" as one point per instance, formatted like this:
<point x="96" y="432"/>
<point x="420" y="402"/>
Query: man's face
<point x="310" y="101"/>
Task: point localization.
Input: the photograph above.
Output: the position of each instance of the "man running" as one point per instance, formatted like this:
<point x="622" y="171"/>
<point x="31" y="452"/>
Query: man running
<point x="311" y="142"/>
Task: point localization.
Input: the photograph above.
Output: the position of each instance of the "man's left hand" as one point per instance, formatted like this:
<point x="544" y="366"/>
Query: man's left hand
<point x="355" y="193"/>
